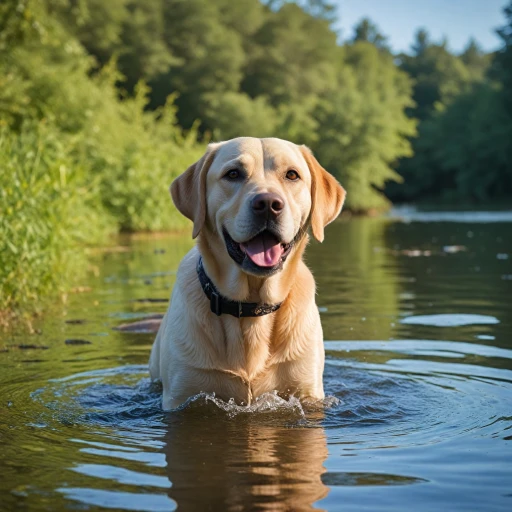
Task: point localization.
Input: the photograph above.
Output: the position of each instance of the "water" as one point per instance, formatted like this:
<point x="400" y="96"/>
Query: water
<point x="417" y="321"/>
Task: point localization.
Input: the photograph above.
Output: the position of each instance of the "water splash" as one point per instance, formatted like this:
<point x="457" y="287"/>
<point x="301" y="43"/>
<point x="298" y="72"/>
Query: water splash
<point x="264" y="404"/>
<point x="125" y="395"/>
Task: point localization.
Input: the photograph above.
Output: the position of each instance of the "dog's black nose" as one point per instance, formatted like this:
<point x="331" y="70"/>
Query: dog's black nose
<point x="267" y="203"/>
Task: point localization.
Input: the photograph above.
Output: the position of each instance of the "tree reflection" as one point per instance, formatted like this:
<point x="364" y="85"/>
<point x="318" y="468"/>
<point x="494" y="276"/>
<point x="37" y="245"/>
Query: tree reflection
<point x="357" y="280"/>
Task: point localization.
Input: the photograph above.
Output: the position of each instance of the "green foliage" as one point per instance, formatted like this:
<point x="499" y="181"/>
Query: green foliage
<point x="49" y="205"/>
<point x="76" y="160"/>
<point x="294" y="56"/>
<point x="364" y="128"/>
<point x="252" y="68"/>
<point x="108" y="88"/>
<point x="463" y="150"/>
<point x="233" y="113"/>
<point x="210" y="56"/>
<point x="503" y="63"/>
<point x="476" y="61"/>
<point x="464" y="103"/>
<point x="438" y="74"/>
<point x="137" y="162"/>
<point x="367" y="31"/>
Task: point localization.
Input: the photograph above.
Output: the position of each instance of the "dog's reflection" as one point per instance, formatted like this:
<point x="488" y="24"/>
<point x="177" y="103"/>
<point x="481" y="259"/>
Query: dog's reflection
<point x="243" y="463"/>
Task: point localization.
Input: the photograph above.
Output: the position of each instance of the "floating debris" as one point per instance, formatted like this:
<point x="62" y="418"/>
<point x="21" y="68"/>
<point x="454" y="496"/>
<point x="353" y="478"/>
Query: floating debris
<point x="452" y="249"/>
<point x="148" y="325"/>
<point x="150" y="299"/>
<point x="414" y="253"/>
<point x="73" y="341"/>
<point x="24" y="346"/>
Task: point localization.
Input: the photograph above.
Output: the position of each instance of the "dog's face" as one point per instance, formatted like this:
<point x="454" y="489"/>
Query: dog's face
<point x="258" y="196"/>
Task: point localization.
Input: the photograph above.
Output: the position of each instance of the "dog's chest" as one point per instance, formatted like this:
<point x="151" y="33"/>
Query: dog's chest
<point x="247" y="345"/>
<point x="251" y="352"/>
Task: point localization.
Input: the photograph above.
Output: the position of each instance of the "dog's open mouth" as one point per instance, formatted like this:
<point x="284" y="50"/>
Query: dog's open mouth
<point x="265" y="251"/>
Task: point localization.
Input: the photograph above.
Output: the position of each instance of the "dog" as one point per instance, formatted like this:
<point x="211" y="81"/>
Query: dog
<point x="242" y="319"/>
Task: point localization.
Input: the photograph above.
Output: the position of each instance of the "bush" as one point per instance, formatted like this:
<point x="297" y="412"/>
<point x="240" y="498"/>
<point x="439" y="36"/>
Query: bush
<point x="77" y="159"/>
<point x="48" y="207"/>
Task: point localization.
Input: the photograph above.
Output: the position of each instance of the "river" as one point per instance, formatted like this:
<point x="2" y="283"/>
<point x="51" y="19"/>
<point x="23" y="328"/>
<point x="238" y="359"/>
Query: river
<point x="417" y="317"/>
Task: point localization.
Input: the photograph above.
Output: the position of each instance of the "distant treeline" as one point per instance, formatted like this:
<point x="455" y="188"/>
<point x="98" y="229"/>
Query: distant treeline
<point x="276" y="68"/>
<point x="103" y="102"/>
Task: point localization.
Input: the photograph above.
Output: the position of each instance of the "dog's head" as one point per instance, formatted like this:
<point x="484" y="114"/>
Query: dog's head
<point x="258" y="196"/>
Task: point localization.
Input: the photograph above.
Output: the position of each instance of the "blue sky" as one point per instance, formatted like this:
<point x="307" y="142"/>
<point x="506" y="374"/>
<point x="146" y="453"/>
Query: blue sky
<point x="458" y="20"/>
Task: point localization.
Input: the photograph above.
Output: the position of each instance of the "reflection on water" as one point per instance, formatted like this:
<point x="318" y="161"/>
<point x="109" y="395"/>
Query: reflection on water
<point x="258" y="462"/>
<point x="453" y="320"/>
<point x="412" y="214"/>
<point x="359" y="282"/>
<point x="418" y="373"/>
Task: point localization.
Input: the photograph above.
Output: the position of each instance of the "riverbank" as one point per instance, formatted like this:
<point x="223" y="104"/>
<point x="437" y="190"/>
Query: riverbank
<point x="61" y="193"/>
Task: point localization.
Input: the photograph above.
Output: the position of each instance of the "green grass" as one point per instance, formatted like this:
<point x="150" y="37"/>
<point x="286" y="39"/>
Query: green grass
<point x="61" y="191"/>
<point x="78" y="160"/>
<point x="48" y="209"/>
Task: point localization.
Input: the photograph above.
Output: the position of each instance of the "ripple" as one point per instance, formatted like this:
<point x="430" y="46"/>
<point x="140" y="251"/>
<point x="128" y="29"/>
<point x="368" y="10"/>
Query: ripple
<point x="122" y="475"/>
<point x="120" y="500"/>
<point x="338" y="479"/>
<point x="267" y="403"/>
<point x="378" y="391"/>
<point x="126" y="396"/>
<point x="450" y="320"/>
<point x="402" y="396"/>
<point x="416" y="392"/>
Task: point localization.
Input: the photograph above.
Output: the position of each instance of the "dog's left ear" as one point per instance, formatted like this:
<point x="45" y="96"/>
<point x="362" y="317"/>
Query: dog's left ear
<point x="327" y="195"/>
<point x="188" y="190"/>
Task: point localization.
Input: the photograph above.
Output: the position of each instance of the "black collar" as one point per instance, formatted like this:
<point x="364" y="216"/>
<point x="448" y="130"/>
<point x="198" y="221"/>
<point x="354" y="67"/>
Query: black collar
<point x="220" y="305"/>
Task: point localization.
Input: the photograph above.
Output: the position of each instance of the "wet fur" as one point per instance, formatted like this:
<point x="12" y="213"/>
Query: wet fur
<point x="196" y="350"/>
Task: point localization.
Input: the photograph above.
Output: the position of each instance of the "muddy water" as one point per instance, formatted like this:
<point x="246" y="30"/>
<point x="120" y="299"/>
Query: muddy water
<point x="417" y="320"/>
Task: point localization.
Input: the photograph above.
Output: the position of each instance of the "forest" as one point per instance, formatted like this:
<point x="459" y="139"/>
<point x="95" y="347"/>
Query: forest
<point x="102" y="104"/>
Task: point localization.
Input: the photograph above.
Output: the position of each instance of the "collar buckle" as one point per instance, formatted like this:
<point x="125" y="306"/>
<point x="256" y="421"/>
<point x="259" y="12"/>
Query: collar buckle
<point x="215" y="303"/>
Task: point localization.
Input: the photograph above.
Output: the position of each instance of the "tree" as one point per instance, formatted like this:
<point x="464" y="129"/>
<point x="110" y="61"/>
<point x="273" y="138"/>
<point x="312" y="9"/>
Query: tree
<point x="292" y="57"/>
<point x="320" y="9"/>
<point x="210" y="56"/>
<point x="98" y="25"/>
<point x="476" y="61"/>
<point x="438" y="75"/>
<point x="461" y="150"/>
<point x="243" y="68"/>
<point x="367" y="31"/>
<point x="421" y="43"/>
<point x="363" y="128"/>
<point x="235" y="113"/>
<point x="503" y="62"/>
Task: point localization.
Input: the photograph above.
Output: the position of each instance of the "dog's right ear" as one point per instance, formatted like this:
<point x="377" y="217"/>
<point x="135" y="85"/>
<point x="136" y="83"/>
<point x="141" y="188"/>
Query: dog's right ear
<point x="188" y="190"/>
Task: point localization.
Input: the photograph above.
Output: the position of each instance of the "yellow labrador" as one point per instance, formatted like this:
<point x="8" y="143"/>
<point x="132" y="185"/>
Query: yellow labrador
<point x="243" y="319"/>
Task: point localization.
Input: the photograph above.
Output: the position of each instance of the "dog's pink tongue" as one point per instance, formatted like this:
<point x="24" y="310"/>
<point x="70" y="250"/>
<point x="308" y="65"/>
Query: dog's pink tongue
<point x="264" y="250"/>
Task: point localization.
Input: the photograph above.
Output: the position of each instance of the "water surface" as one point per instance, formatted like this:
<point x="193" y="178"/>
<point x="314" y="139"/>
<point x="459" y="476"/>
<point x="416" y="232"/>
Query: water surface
<point x="417" y="322"/>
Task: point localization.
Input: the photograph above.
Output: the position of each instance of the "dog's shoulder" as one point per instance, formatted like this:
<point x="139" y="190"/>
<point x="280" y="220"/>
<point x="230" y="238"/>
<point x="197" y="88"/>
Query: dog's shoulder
<point x="186" y="274"/>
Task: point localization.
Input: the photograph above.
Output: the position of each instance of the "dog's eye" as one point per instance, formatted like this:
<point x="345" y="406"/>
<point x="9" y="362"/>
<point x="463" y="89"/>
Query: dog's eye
<point x="233" y="174"/>
<point x="292" y="175"/>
